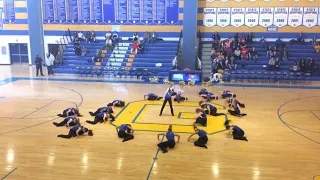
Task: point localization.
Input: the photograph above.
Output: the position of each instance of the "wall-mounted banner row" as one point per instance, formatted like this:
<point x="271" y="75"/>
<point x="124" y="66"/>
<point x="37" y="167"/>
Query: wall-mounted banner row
<point x="263" y="16"/>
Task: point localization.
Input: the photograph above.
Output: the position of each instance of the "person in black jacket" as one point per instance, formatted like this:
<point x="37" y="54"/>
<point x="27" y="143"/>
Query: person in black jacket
<point x="39" y="62"/>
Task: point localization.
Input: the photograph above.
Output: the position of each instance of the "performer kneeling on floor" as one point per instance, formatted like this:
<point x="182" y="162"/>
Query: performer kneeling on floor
<point x="108" y="109"/>
<point x="227" y="94"/>
<point x="236" y="109"/>
<point x="76" y="131"/>
<point x="125" y="131"/>
<point x="236" y="132"/>
<point x="170" y="140"/>
<point x="209" y="109"/>
<point x="69" y="121"/>
<point x="203" y="138"/>
<point x="101" y="118"/>
<point x="234" y="100"/>
<point x="117" y="103"/>
<point x="152" y="96"/>
<point x="207" y="95"/>
<point x="201" y="117"/>
<point x="70" y="112"/>
<point x="180" y="98"/>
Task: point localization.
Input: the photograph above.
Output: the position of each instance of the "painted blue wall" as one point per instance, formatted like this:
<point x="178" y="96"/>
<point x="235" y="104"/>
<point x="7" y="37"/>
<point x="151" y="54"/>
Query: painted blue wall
<point x="35" y="29"/>
<point x="190" y="33"/>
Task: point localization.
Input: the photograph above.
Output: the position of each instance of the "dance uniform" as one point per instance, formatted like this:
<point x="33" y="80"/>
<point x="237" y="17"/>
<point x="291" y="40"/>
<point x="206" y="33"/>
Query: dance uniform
<point x="123" y="134"/>
<point x="69" y="112"/>
<point x="236" y="110"/>
<point x="202" y="140"/>
<point x="117" y="103"/>
<point x="152" y="96"/>
<point x="101" y="118"/>
<point x="238" y="133"/>
<point x="230" y="101"/>
<point x="227" y="94"/>
<point x="169" y="143"/>
<point x="107" y="109"/>
<point x="70" y="121"/>
<point x="73" y="132"/>
<point x="213" y="110"/>
<point x="180" y="98"/>
<point x="202" y="119"/>
<point x="169" y="93"/>
<point x="207" y="95"/>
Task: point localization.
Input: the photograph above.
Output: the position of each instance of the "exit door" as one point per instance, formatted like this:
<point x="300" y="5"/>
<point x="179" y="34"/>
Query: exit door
<point x="19" y="53"/>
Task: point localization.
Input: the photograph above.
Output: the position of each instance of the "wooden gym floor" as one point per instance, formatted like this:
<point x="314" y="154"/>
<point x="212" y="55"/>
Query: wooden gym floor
<point x="282" y="126"/>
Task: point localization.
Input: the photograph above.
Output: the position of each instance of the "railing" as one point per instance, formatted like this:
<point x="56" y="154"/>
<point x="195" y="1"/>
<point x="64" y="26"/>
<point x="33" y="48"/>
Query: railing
<point x="200" y="46"/>
<point x="179" y="59"/>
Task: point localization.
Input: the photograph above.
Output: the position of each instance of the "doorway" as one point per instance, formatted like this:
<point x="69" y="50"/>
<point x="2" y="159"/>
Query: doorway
<point x="19" y="53"/>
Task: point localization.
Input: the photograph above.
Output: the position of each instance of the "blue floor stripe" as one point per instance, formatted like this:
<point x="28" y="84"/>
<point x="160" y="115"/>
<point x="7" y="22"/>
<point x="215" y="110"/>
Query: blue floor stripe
<point x="154" y="160"/>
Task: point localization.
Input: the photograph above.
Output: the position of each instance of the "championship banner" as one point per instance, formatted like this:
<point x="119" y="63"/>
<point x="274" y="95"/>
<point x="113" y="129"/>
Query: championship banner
<point x="310" y="15"/>
<point x="295" y="16"/>
<point x="280" y="17"/>
<point x="223" y="17"/>
<point x="252" y="17"/>
<point x="237" y="17"/>
<point x="209" y="17"/>
<point x="266" y="16"/>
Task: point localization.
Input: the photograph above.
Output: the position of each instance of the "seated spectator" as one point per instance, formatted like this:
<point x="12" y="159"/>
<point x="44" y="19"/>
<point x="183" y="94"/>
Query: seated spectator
<point x="146" y="37"/>
<point x="269" y="51"/>
<point x="97" y="57"/>
<point x="295" y="67"/>
<point x="314" y="41"/>
<point x="263" y="42"/>
<point x="88" y="37"/>
<point x="216" y="37"/>
<point x="134" y="48"/>
<point x="274" y="52"/>
<point x="80" y="36"/>
<point x="279" y="43"/>
<point x="284" y="54"/>
<point x="220" y="56"/>
<point x="93" y="36"/>
<point x="140" y="49"/>
<point x="244" y="54"/>
<point x="227" y="45"/>
<point x="310" y="66"/>
<point x="216" y="45"/>
<point x="277" y="64"/>
<point x="250" y="38"/>
<point x="236" y="39"/>
<point x="135" y="38"/>
<point x="242" y="38"/>
<point x="59" y="59"/>
<point x="237" y="54"/>
<point x="271" y="64"/>
<point x="75" y="35"/>
<point x="153" y="37"/>
<point x="215" y="63"/>
<point x="115" y="37"/>
<point x="230" y="63"/>
<point x="78" y="51"/>
<point x="302" y="64"/>
<point x="243" y="44"/>
<point x="108" y="35"/>
<point x="109" y="44"/>
<point x="253" y="55"/>
<point x="300" y="39"/>
<point x="84" y="51"/>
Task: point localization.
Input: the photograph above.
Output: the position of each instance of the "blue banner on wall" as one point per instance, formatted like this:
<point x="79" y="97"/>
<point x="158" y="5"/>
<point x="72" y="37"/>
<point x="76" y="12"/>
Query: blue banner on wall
<point x="8" y="10"/>
<point x="114" y="12"/>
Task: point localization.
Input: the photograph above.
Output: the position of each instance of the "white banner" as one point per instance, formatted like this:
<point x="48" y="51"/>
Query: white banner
<point x="237" y="17"/>
<point x="252" y="17"/>
<point x="310" y="16"/>
<point x="209" y="17"/>
<point x="266" y="16"/>
<point x="295" y="16"/>
<point x="223" y="17"/>
<point x="280" y="17"/>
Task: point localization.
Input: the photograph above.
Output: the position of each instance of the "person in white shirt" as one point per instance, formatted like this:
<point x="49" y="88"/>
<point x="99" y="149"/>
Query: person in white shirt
<point x="80" y="36"/>
<point x="49" y="63"/>
<point x="108" y="35"/>
<point x="174" y="63"/>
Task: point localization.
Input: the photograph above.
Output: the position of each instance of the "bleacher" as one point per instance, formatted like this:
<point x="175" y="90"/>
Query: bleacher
<point x="120" y="62"/>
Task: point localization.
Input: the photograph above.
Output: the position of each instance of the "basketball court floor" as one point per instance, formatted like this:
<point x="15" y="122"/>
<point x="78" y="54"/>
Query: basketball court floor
<point x="282" y="126"/>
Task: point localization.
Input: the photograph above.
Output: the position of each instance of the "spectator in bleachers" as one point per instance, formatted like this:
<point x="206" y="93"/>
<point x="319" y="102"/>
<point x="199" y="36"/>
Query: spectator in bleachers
<point x="300" y="39"/>
<point x="59" y="59"/>
<point x="84" y="51"/>
<point x="269" y="51"/>
<point x="314" y="41"/>
<point x="310" y="66"/>
<point x="236" y="39"/>
<point x="243" y="44"/>
<point x="277" y="64"/>
<point x="75" y="35"/>
<point x="140" y="49"/>
<point x="88" y="37"/>
<point x="216" y="37"/>
<point x="146" y="37"/>
<point x="253" y="55"/>
<point x="271" y="64"/>
<point x="250" y="38"/>
<point x="216" y="45"/>
<point x="237" y="54"/>
<point x="302" y="64"/>
<point x="215" y="63"/>
<point x="279" y="43"/>
<point x="244" y="54"/>
<point x="227" y="45"/>
<point x="174" y="63"/>
<point x="76" y="41"/>
<point x="263" y="42"/>
<point x="134" y="48"/>
<point x="108" y="35"/>
<point x="295" y="67"/>
<point x="153" y="37"/>
<point x="97" y="57"/>
<point x="80" y="36"/>
<point x="135" y="37"/>
<point x="108" y="45"/>
<point x="78" y="51"/>
<point x="115" y="37"/>
<point x="93" y="36"/>
<point x="274" y="52"/>
<point x="284" y="54"/>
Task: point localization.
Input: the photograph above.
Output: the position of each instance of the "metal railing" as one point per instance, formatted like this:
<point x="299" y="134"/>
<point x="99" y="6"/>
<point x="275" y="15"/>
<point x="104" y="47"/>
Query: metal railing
<point x="179" y="59"/>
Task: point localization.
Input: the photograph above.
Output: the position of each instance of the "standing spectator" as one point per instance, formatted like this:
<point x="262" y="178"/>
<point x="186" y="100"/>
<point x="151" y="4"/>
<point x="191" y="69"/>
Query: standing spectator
<point x="314" y="41"/>
<point x="228" y="46"/>
<point x="153" y="37"/>
<point x="93" y="36"/>
<point x="263" y="42"/>
<point x="215" y="45"/>
<point x="115" y="37"/>
<point x="78" y="51"/>
<point x="250" y="38"/>
<point x="237" y="54"/>
<point x="274" y="52"/>
<point x="277" y="64"/>
<point x="284" y="54"/>
<point x="269" y="51"/>
<point x="310" y="65"/>
<point x="244" y="54"/>
<point x="302" y="64"/>
<point x="135" y="37"/>
<point x="295" y="67"/>
<point x="300" y="39"/>
<point x="236" y="39"/>
<point x="80" y="36"/>
<point x="134" y="48"/>
<point x="243" y="44"/>
<point x="49" y="63"/>
<point x="97" y="57"/>
<point x="140" y="49"/>
<point x="174" y="63"/>
<point x="88" y="37"/>
<point x="75" y="35"/>
<point x="38" y="63"/>
<point x="76" y="41"/>
<point x="59" y="59"/>
<point x="253" y="55"/>
<point x="84" y="51"/>
<point x="279" y="43"/>
<point x="109" y="44"/>
<point x="216" y="37"/>
<point x="108" y="35"/>
<point x="146" y="37"/>
<point x="271" y="64"/>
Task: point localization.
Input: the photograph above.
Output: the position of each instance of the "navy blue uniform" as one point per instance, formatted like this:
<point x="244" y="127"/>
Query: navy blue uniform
<point x="236" y="110"/>
<point x="202" y="119"/>
<point x="227" y="94"/>
<point x="117" y="103"/>
<point x="107" y="109"/>
<point x="123" y="133"/>
<point x="213" y="110"/>
<point x="73" y="121"/>
<point x="69" y="112"/>
<point x="170" y="92"/>
<point x="202" y="140"/>
<point x="238" y="133"/>
<point x="169" y="143"/>
<point x="73" y="132"/>
<point x="179" y="98"/>
<point x="205" y="94"/>
<point x="152" y="96"/>
<point x="99" y="118"/>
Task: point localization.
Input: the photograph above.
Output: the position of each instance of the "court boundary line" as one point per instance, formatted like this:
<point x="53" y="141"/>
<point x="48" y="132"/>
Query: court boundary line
<point x="315" y="115"/>
<point x="9" y="173"/>
<point x="38" y="109"/>
<point x="154" y="159"/>
<point x="296" y="126"/>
